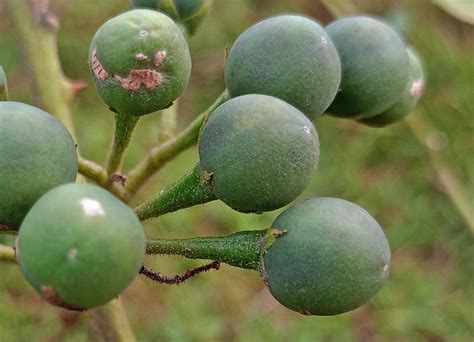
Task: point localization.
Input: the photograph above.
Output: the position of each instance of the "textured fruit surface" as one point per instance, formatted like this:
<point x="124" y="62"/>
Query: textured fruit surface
<point x="290" y="57"/>
<point x="408" y="99"/>
<point x="333" y="258"/>
<point x="37" y="153"/>
<point x="140" y="62"/>
<point x="80" y="247"/>
<point x="374" y="66"/>
<point x="258" y="152"/>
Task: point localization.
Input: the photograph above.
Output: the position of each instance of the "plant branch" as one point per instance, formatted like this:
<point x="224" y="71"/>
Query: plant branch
<point x="161" y="154"/>
<point x="124" y="127"/>
<point x="3" y="85"/>
<point x="110" y="323"/>
<point x="92" y="171"/>
<point x="243" y="249"/>
<point x="36" y="28"/>
<point x="168" y="118"/>
<point x="7" y="254"/>
<point x="190" y="190"/>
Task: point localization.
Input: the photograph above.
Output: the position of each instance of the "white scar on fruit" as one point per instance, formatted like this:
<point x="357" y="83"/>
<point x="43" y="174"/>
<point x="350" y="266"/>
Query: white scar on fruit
<point x="137" y="77"/>
<point x="416" y="88"/>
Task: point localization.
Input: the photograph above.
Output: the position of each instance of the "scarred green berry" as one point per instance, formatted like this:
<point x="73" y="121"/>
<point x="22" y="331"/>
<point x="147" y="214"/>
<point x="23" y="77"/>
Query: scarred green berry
<point x="289" y="57"/>
<point x="140" y="62"/>
<point x="258" y="153"/>
<point x="374" y="66"/>
<point x="333" y="258"/>
<point x="80" y="247"/>
<point x="37" y="153"/>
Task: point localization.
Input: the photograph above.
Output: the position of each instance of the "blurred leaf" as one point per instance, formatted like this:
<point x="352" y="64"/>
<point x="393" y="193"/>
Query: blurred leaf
<point x="462" y="10"/>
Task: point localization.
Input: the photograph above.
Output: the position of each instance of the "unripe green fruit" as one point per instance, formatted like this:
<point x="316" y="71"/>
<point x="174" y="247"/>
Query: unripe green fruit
<point x="140" y="62"/>
<point x="374" y="66"/>
<point x="258" y="152"/>
<point x="290" y="57"/>
<point x="80" y="247"/>
<point x="333" y="258"/>
<point x="189" y="13"/>
<point x="37" y="153"/>
<point x="408" y="99"/>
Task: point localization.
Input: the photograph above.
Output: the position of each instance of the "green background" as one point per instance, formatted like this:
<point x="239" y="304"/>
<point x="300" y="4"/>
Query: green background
<point x="389" y="171"/>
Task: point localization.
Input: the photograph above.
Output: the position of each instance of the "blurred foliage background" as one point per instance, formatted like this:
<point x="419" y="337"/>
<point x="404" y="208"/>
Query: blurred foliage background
<point x="391" y="172"/>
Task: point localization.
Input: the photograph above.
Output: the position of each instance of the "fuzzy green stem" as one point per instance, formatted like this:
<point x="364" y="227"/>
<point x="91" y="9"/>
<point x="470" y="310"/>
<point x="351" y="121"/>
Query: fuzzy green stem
<point x="190" y="190"/>
<point x="124" y="126"/>
<point x="110" y="323"/>
<point x="3" y="85"/>
<point x="168" y="118"/>
<point x="7" y="254"/>
<point x="36" y="28"/>
<point x="160" y="155"/>
<point x="243" y="249"/>
<point x="92" y="171"/>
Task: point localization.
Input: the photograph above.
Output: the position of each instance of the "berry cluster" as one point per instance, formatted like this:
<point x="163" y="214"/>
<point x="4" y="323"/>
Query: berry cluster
<point x="80" y="246"/>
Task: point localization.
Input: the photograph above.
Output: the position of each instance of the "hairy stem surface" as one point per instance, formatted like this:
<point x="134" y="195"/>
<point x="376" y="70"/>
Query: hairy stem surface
<point x="160" y="155"/>
<point x="190" y="190"/>
<point x="243" y="249"/>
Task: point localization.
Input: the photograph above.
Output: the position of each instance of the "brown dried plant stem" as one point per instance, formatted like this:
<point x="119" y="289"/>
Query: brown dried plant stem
<point x="36" y="28"/>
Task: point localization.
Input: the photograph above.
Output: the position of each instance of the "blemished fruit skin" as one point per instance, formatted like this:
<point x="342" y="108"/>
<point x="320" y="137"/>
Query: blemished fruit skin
<point x="290" y="57"/>
<point x="408" y="99"/>
<point x="259" y="152"/>
<point x="190" y="13"/>
<point x="37" y="153"/>
<point x="333" y="258"/>
<point x="80" y="247"/>
<point x="374" y="66"/>
<point x="140" y="62"/>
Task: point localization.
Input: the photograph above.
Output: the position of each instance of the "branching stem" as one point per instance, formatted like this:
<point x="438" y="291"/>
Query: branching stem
<point x="161" y="154"/>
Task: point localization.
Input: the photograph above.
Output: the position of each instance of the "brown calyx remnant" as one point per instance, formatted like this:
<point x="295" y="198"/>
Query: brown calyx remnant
<point x="49" y="295"/>
<point x="305" y="312"/>
<point x="148" y="77"/>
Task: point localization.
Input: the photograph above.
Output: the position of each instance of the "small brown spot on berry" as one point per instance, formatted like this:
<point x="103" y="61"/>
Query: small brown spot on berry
<point x="140" y="57"/>
<point x="97" y="67"/>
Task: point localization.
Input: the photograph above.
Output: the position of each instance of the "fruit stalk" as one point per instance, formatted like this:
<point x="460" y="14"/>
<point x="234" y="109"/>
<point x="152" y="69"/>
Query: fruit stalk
<point x="7" y="254"/>
<point x="124" y="126"/>
<point x="190" y="190"/>
<point x="243" y="249"/>
<point x="110" y="323"/>
<point x="92" y="171"/>
<point x="161" y="154"/>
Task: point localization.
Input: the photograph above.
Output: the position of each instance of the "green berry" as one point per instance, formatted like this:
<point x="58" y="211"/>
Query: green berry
<point x="80" y="247"/>
<point x="290" y="57"/>
<point x="333" y="258"/>
<point x="37" y="153"/>
<point x="140" y="62"/>
<point x="374" y="66"/>
<point x="189" y="13"/>
<point x="258" y="153"/>
<point x="407" y="101"/>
